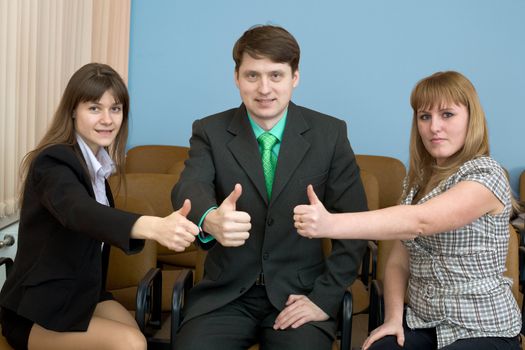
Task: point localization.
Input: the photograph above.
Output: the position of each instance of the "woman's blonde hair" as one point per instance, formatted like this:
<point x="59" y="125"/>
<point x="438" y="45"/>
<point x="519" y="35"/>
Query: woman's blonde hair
<point x="440" y="89"/>
<point x="87" y="84"/>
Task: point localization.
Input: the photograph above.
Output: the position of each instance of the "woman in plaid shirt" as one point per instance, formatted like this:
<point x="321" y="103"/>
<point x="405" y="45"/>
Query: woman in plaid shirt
<point x="452" y="231"/>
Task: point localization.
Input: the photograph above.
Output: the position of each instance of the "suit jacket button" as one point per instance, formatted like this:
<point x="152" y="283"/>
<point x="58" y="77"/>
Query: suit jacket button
<point x="269" y="222"/>
<point x="266" y="255"/>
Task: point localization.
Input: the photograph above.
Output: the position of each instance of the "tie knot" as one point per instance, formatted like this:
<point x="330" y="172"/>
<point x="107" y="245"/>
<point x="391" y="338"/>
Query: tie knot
<point x="267" y="140"/>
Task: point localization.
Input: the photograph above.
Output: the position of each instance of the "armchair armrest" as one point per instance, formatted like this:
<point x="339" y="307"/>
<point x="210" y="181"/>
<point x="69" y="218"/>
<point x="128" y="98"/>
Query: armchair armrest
<point x="370" y="257"/>
<point x="521" y="254"/>
<point x="149" y="299"/>
<point x="346" y="320"/>
<point x="522" y="281"/>
<point x="8" y="262"/>
<point x="377" y="305"/>
<point x="182" y="285"/>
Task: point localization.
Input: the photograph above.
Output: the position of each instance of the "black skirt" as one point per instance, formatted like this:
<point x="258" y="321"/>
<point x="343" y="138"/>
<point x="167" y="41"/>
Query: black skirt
<point x="15" y="328"/>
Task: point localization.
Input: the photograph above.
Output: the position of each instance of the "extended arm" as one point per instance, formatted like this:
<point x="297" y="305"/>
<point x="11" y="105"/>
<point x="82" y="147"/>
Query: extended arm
<point x="460" y="205"/>
<point x="173" y="231"/>
<point x="61" y="186"/>
<point x="224" y="223"/>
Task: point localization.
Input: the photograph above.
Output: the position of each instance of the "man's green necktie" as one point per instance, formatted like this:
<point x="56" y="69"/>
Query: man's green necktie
<point x="269" y="160"/>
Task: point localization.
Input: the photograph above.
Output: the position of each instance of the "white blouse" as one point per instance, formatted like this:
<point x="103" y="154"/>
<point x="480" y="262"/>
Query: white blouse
<point x="100" y="167"/>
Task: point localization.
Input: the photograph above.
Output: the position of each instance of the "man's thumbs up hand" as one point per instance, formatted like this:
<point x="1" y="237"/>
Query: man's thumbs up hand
<point x="227" y="225"/>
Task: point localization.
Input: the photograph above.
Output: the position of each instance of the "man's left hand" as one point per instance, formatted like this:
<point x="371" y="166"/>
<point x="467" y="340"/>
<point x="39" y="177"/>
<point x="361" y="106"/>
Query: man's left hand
<point x="298" y="311"/>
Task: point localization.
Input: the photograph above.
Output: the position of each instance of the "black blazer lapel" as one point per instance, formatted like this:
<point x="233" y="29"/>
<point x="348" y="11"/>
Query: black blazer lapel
<point x="109" y="194"/>
<point x="245" y="149"/>
<point x="293" y="149"/>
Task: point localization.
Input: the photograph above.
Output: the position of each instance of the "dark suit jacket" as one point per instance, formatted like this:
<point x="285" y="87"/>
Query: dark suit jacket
<point x="56" y="278"/>
<point x="314" y="150"/>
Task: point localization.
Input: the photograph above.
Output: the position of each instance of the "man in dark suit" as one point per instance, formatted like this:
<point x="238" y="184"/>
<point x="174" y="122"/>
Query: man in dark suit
<point x="248" y="168"/>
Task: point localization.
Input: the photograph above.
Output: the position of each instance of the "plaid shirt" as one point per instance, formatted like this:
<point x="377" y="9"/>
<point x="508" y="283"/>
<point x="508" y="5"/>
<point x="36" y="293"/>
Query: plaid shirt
<point x="456" y="281"/>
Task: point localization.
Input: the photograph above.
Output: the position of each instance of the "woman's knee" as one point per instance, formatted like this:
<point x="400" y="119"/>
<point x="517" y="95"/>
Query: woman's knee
<point x="131" y="339"/>
<point x="388" y="342"/>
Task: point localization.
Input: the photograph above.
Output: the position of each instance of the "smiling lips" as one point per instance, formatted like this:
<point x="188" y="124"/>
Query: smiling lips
<point x="265" y="101"/>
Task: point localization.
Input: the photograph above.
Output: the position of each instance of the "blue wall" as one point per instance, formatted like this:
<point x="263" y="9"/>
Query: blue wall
<point x="359" y="62"/>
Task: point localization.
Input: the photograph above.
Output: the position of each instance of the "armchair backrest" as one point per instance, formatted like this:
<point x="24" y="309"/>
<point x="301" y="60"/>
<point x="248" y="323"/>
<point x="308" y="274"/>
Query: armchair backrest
<point x="154" y="188"/>
<point x="512" y="263"/>
<point x="161" y="159"/>
<point x="389" y="173"/>
<point x="372" y="196"/>
<point x="124" y="272"/>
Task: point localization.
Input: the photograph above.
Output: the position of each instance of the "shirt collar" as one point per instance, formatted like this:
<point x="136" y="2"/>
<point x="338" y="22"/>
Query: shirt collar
<point x="99" y="165"/>
<point x="277" y="130"/>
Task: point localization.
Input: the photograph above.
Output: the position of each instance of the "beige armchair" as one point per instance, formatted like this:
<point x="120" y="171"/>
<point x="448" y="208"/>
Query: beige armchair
<point x="156" y="169"/>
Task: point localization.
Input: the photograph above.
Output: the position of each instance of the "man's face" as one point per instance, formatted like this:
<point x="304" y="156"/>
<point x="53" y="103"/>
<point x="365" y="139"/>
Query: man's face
<point x="266" y="88"/>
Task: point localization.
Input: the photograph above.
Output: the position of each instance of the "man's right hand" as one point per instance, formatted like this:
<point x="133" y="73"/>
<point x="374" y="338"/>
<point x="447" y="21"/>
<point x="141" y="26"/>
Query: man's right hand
<point x="227" y="225"/>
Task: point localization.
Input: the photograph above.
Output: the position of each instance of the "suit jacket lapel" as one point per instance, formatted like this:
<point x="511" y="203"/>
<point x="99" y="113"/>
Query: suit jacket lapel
<point x="293" y="149"/>
<point x="245" y="149"/>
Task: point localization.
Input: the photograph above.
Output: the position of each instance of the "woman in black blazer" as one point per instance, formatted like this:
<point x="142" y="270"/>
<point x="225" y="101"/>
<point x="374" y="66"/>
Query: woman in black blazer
<point x="53" y="298"/>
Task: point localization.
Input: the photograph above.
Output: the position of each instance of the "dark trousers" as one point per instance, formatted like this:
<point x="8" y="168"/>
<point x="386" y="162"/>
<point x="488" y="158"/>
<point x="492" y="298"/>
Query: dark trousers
<point x="244" y="322"/>
<point x="416" y="339"/>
